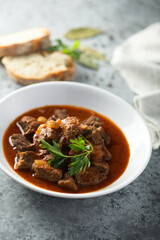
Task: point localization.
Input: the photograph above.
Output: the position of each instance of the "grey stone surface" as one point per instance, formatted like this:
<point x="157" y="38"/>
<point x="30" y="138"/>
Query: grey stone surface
<point x="133" y="212"/>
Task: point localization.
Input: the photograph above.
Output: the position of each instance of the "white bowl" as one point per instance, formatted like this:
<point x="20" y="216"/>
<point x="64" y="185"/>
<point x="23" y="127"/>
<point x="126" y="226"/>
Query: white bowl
<point x="60" y="93"/>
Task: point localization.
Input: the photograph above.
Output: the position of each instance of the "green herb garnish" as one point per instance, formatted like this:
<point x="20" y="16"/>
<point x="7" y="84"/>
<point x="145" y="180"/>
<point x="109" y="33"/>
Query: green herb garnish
<point x="60" y="46"/>
<point x="78" y="162"/>
<point x="58" y="157"/>
<point x="79" y="55"/>
<point x="85" y="56"/>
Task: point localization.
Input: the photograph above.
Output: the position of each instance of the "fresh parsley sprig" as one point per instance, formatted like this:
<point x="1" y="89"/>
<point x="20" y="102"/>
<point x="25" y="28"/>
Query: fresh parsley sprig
<point x="85" y="56"/>
<point x="58" y="156"/>
<point x="60" y="46"/>
<point x="78" y="162"/>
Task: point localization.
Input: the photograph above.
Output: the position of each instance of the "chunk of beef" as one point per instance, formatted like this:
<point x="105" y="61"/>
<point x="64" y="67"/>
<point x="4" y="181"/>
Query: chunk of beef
<point x="45" y="171"/>
<point x="68" y="182"/>
<point x="70" y="127"/>
<point x="48" y="132"/>
<point x="60" y="114"/>
<point x="47" y="157"/>
<point x="24" y="160"/>
<point x="92" y="128"/>
<point x="40" y="133"/>
<point x="53" y="117"/>
<point x="36" y="139"/>
<point x="93" y="121"/>
<point x="90" y="177"/>
<point x="96" y="136"/>
<point x="103" y="167"/>
<point x="95" y="133"/>
<point x="28" y="125"/>
<point x="100" y="153"/>
<point x="105" y="136"/>
<point x="42" y="152"/>
<point x="21" y="143"/>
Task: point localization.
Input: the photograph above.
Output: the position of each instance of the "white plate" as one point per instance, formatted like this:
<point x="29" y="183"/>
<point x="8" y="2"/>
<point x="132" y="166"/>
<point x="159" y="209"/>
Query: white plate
<point x="60" y="93"/>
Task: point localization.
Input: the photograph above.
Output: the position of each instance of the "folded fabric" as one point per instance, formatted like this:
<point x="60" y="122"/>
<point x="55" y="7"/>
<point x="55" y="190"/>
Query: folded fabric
<point x="138" y="62"/>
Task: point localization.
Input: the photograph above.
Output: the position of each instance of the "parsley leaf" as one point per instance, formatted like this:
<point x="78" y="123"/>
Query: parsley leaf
<point x="78" y="144"/>
<point x="52" y="149"/>
<point x="56" y="161"/>
<point x="78" y="162"/>
<point x="80" y="54"/>
<point x="60" y="46"/>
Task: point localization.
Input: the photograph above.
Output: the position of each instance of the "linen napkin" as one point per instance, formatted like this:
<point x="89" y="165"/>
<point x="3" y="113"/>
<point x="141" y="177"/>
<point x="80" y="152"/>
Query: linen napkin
<point x="138" y="62"/>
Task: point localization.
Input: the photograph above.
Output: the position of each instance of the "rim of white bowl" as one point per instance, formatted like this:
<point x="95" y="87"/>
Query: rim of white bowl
<point x="101" y="192"/>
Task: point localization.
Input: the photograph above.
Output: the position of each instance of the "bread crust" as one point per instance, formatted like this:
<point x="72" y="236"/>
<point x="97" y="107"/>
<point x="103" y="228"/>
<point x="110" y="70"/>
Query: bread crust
<point x="63" y="75"/>
<point x="26" y="46"/>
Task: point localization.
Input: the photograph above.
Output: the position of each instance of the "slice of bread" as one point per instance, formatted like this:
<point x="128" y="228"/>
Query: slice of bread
<point x="24" y="42"/>
<point x="39" y="67"/>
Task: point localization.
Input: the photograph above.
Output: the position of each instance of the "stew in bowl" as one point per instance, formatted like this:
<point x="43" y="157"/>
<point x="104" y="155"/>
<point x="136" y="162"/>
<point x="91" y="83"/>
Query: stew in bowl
<point x="66" y="149"/>
<point x="71" y="140"/>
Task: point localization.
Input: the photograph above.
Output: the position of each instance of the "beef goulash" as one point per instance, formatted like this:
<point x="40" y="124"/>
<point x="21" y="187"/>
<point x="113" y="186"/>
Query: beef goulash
<point x="66" y="149"/>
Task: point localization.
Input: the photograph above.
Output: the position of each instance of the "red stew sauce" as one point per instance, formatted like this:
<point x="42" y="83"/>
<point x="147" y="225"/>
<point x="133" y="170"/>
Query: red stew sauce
<point x="118" y="148"/>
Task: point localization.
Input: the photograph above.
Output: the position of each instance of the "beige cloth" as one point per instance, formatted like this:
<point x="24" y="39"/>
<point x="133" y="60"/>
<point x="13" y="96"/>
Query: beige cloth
<point x="138" y="61"/>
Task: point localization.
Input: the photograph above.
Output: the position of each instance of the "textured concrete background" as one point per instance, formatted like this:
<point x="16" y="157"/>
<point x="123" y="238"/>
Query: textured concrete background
<point x="133" y="212"/>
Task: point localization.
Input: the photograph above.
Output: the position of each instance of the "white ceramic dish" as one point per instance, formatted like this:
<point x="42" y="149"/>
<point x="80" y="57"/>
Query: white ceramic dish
<point x="60" y="93"/>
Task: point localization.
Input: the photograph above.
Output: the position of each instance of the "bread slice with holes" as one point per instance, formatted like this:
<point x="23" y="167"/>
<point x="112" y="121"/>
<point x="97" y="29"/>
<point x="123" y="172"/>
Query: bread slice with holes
<point x="27" y="41"/>
<point x="40" y="67"/>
